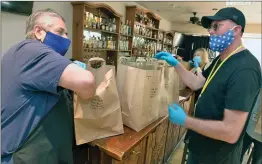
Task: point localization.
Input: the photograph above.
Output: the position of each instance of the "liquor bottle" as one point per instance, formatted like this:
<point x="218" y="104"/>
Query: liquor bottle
<point x="94" y="42"/>
<point x="114" y="25"/>
<point x="120" y="43"/>
<point x="129" y="28"/>
<point x="121" y="26"/>
<point x="127" y="43"/>
<point x="100" y="43"/>
<point x="104" y="42"/>
<point x="103" y="27"/>
<point x="106" y="25"/>
<point x="110" y="25"/>
<point x="94" y="22"/>
<point x="86" y="20"/>
<point x="97" y="23"/>
<point x="114" y="43"/>
<point x="89" y="20"/>
<point x="108" y="42"/>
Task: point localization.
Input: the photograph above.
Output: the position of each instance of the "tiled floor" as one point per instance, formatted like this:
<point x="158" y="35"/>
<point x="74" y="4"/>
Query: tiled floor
<point x="176" y="157"/>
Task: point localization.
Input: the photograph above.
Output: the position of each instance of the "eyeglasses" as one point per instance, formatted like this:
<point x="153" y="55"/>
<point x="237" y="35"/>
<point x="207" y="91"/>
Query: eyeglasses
<point x="215" y="26"/>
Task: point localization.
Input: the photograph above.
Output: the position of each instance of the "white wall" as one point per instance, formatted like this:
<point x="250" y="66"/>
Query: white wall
<point x="13" y="26"/>
<point x="13" y="29"/>
<point x="253" y="43"/>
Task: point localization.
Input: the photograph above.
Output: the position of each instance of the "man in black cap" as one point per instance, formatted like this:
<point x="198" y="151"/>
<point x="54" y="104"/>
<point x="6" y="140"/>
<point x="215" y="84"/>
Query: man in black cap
<point x="229" y="89"/>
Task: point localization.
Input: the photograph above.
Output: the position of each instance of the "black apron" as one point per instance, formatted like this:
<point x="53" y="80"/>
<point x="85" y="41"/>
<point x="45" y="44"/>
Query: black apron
<point x="52" y="140"/>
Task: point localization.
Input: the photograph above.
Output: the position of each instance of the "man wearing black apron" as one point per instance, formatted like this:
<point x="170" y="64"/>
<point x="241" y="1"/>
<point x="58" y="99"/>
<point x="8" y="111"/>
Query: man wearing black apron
<point x="36" y="114"/>
<point x="230" y="87"/>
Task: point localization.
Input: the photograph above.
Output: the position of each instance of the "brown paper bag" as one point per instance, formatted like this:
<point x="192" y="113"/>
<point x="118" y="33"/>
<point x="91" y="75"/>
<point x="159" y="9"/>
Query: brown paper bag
<point x="169" y="89"/>
<point x="99" y="116"/>
<point x="186" y="65"/>
<point x="138" y="91"/>
<point x="164" y="95"/>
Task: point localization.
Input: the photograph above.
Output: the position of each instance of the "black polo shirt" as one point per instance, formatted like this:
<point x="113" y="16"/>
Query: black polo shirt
<point x="235" y="86"/>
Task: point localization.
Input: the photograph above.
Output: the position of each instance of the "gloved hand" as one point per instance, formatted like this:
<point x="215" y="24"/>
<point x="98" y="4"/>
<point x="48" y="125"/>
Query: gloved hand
<point x="167" y="57"/>
<point x="80" y="64"/>
<point x="196" y="61"/>
<point x="196" y="64"/>
<point x="176" y="114"/>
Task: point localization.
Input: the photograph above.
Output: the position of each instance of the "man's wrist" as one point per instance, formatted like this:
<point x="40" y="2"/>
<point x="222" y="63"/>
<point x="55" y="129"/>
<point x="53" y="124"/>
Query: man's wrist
<point x="188" y="121"/>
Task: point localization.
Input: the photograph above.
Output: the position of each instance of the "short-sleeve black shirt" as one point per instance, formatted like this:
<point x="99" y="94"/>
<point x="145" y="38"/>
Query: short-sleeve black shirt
<point x="235" y="86"/>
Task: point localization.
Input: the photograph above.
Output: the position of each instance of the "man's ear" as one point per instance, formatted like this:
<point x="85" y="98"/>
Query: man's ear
<point x="237" y="30"/>
<point x="39" y="33"/>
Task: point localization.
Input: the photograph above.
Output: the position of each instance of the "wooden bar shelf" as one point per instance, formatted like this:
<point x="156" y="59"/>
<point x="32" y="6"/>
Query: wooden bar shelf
<point x="126" y="35"/>
<point x="125" y="50"/>
<point x="98" y="30"/>
<point x="146" y="37"/>
<point x="98" y="49"/>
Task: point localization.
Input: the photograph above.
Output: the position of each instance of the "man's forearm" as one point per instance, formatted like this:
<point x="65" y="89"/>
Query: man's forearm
<point x="192" y="81"/>
<point x="212" y="129"/>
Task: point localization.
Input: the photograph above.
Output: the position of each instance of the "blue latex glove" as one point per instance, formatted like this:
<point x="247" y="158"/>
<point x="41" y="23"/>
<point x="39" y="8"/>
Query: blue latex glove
<point x="167" y="57"/>
<point x="196" y="61"/>
<point x="196" y="64"/>
<point x="80" y="64"/>
<point x="176" y="114"/>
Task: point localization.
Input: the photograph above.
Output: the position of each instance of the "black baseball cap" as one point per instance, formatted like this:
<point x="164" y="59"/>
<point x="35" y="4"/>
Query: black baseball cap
<point x="230" y="13"/>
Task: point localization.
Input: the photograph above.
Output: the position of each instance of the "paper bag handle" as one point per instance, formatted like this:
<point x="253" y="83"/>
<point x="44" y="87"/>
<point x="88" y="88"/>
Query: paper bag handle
<point x="97" y="59"/>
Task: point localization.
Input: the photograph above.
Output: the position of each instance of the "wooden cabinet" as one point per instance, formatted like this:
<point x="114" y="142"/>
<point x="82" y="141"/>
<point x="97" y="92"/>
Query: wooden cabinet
<point x="96" y="29"/>
<point x="156" y="143"/>
<point x="172" y="139"/>
<point x="168" y="42"/>
<point x="135" y="156"/>
<point x="144" y="30"/>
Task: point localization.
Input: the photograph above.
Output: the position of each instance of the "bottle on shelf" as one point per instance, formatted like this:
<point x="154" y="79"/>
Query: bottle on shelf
<point x="89" y="20"/>
<point x="104" y="42"/>
<point x="121" y="26"/>
<point x="103" y="27"/>
<point x="110" y="25"/>
<point x="86" y="20"/>
<point x="140" y="30"/>
<point x="108" y="42"/>
<point x="129" y="28"/>
<point x="94" y="21"/>
<point x="98" y="20"/>
<point x="126" y="28"/>
<point x="114" y="24"/>
<point x="94" y="42"/>
<point x="100" y="43"/>
<point x="106" y="26"/>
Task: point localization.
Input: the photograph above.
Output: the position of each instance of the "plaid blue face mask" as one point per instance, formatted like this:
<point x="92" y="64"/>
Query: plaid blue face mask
<point x="220" y="42"/>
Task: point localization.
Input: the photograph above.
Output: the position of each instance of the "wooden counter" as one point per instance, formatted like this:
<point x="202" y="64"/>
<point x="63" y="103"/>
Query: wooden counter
<point x="153" y="144"/>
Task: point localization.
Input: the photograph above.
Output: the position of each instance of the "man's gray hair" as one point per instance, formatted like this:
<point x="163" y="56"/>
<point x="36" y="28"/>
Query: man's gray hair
<point x="34" y="19"/>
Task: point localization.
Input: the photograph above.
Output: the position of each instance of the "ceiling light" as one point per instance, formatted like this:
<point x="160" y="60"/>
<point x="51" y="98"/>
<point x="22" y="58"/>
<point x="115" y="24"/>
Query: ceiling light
<point x="233" y="3"/>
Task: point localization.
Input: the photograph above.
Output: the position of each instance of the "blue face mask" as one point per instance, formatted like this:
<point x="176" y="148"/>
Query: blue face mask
<point x="57" y="43"/>
<point x="197" y="59"/>
<point x="220" y="42"/>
